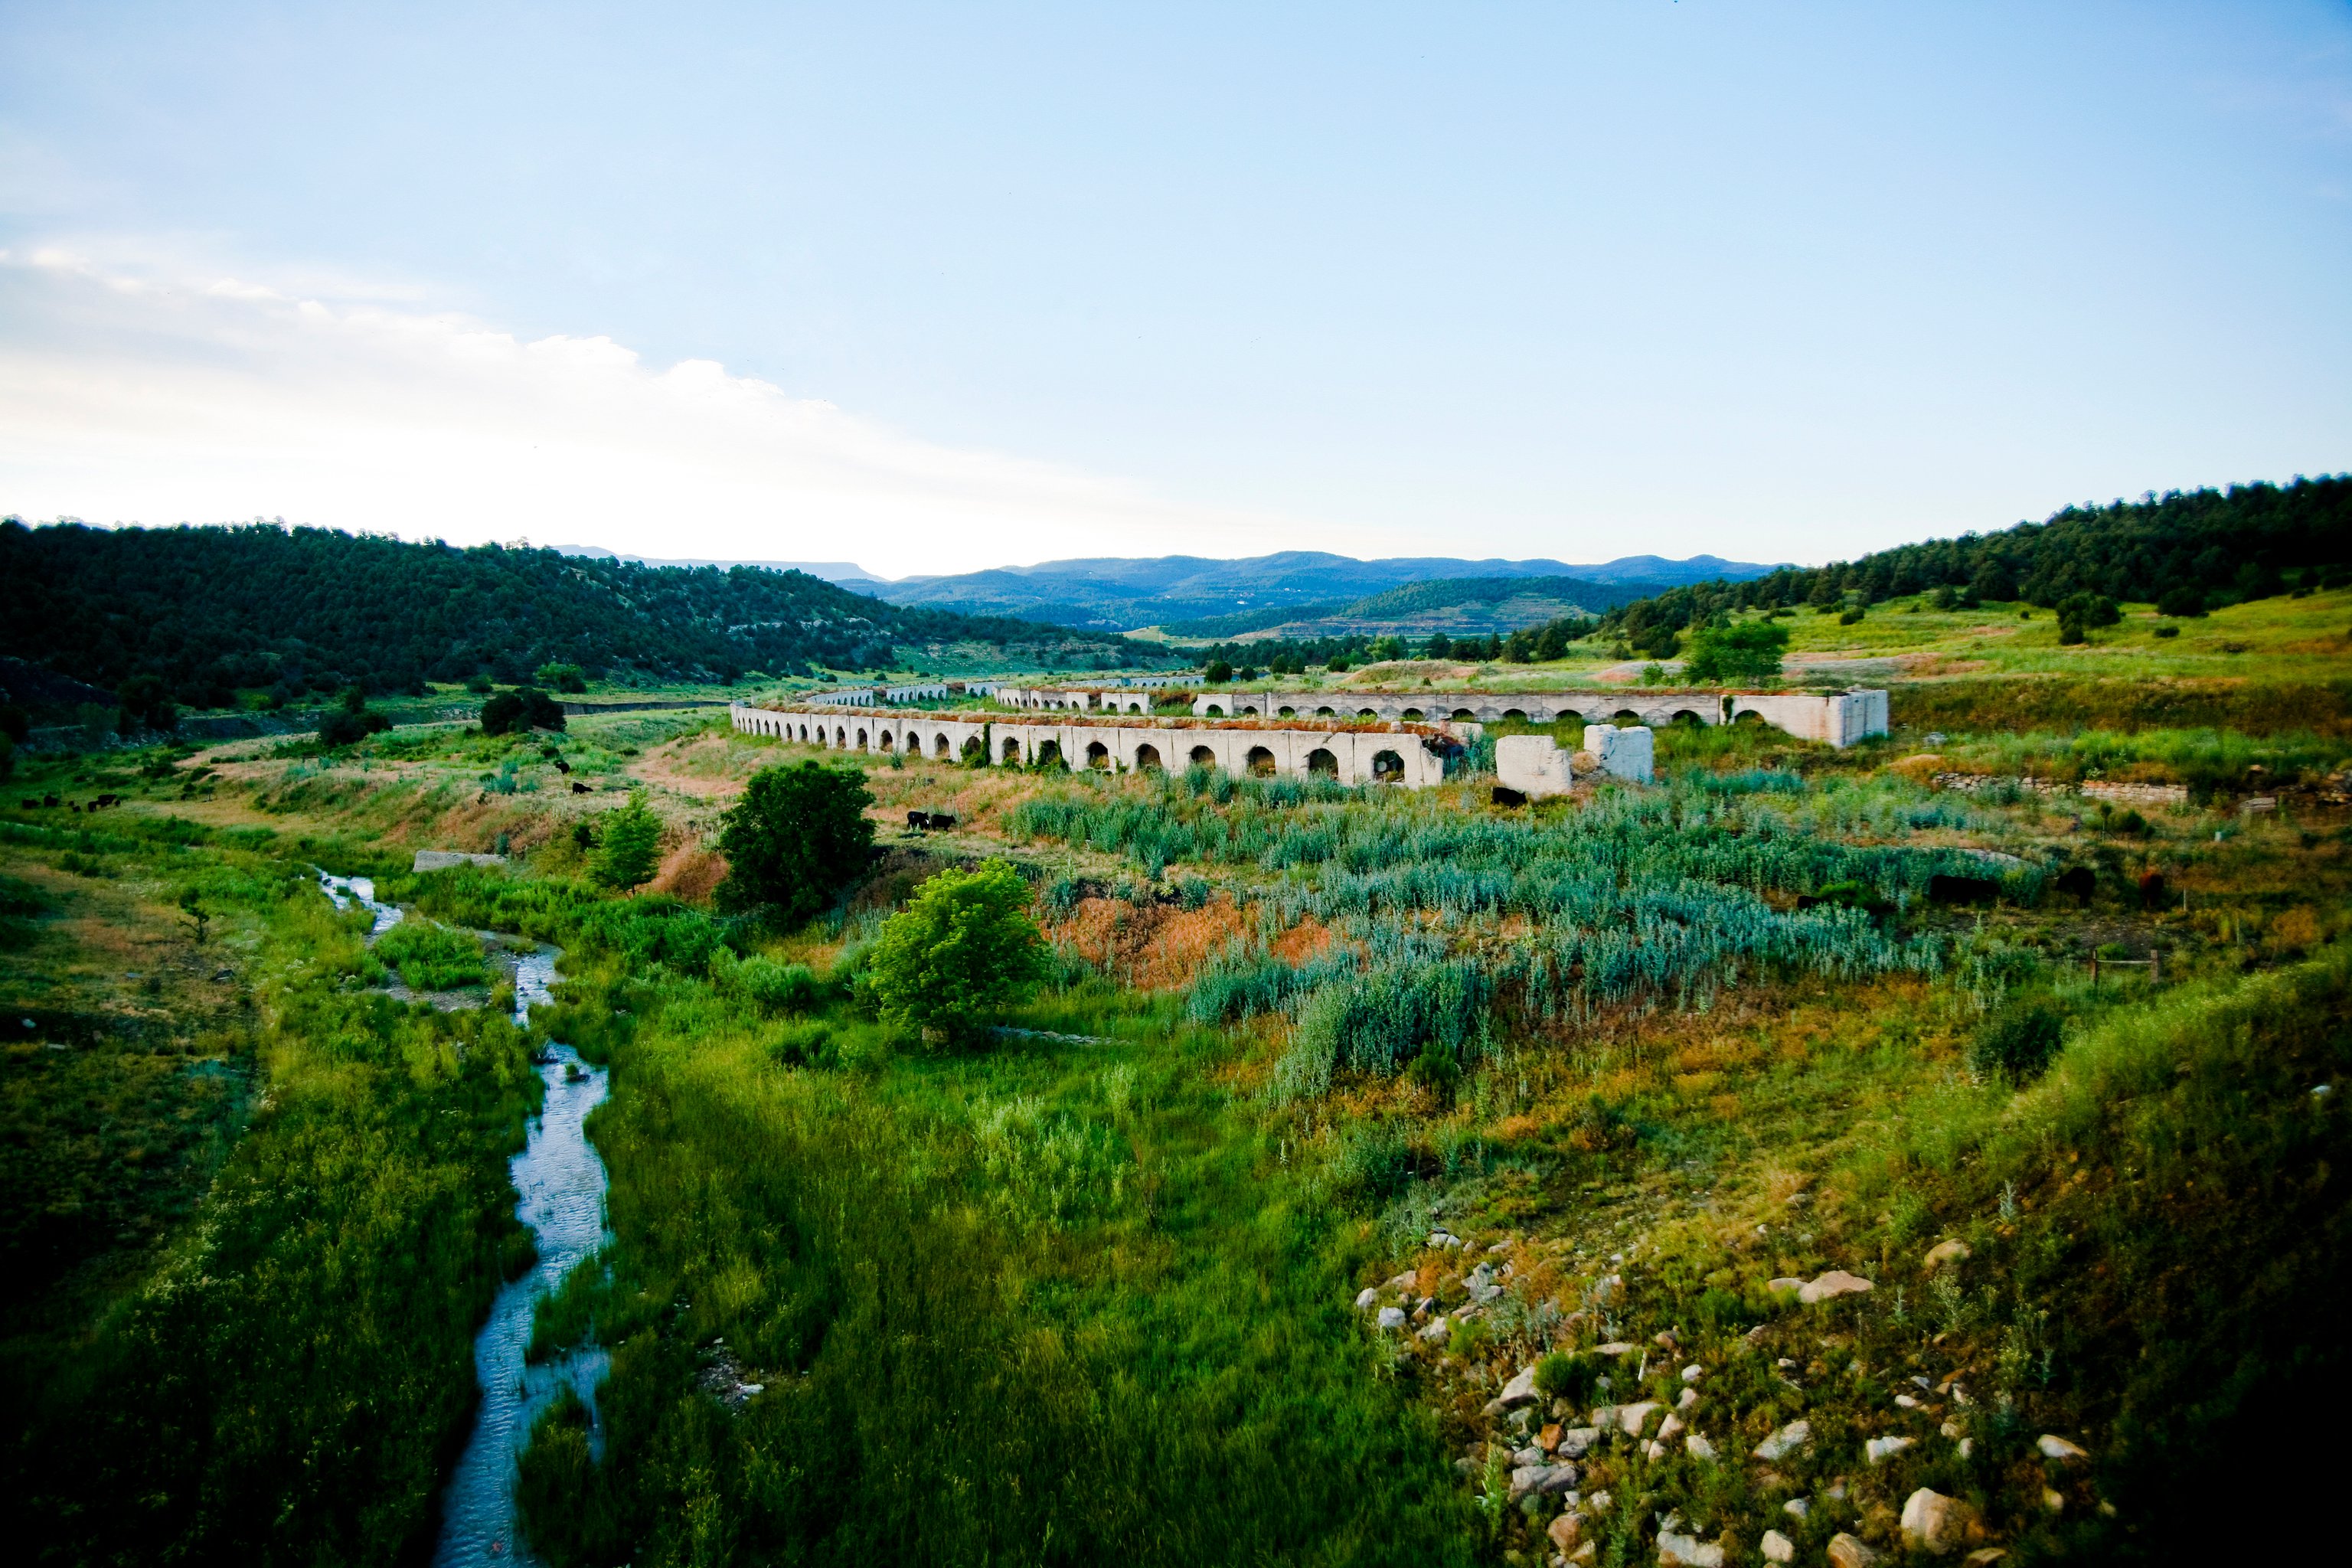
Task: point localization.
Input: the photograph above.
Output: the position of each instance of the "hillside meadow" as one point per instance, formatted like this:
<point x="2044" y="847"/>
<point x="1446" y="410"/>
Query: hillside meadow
<point x="1586" y="1100"/>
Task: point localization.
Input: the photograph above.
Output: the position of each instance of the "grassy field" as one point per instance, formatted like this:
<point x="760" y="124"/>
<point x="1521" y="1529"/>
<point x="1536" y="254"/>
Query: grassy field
<point x="1593" y="1082"/>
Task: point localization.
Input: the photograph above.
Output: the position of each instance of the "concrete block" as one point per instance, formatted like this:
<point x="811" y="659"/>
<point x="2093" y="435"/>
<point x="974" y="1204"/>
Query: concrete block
<point x="1533" y="764"/>
<point x="1623" y="753"/>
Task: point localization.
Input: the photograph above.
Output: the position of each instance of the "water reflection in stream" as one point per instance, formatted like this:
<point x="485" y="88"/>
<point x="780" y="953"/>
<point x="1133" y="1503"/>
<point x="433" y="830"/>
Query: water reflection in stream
<point x="562" y="1181"/>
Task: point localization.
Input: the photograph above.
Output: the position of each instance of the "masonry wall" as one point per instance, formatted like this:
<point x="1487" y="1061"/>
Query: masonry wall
<point x="1839" y="719"/>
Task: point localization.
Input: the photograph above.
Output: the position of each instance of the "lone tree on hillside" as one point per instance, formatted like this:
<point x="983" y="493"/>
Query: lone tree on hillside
<point x="630" y="846"/>
<point x="1745" y="655"/>
<point x="965" y="948"/>
<point x="797" y="837"/>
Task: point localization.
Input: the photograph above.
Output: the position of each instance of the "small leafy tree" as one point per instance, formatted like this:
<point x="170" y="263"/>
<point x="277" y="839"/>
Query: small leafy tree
<point x="524" y="708"/>
<point x="630" y="846"/>
<point x="1743" y="654"/>
<point x="144" y="703"/>
<point x="797" y="837"/>
<point x="563" y="677"/>
<point x="963" y="948"/>
<point x="2080" y="614"/>
<point x="1217" y="672"/>
<point x="353" y="721"/>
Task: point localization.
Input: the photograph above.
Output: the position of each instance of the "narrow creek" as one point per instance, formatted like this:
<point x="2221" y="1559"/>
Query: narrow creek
<point x="562" y="1183"/>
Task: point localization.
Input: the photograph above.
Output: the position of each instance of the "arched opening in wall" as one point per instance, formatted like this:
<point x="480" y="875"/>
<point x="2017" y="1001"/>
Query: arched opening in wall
<point x="1147" y="760"/>
<point x="1260" y="762"/>
<point x="1412" y="716"/>
<point x="1387" y="768"/>
<point x="1286" y="712"/>
<point x="884" y="742"/>
<point x="1098" y="756"/>
<point x="1049" y="755"/>
<point x="975" y="751"/>
<point x="1216" y="709"/>
<point x="1249" y="712"/>
<point x="1625" y="716"/>
<point x="862" y="742"/>
<point x="1322" y="761"/>
<point x="804" y="733"/>
<point x="1687" y="719"/>
<point x="1518" y="713"/>
<point x="941" y="748"/>
<point x="1012" y="749"/>
<point x="1327" y="713"/>
<point x="1203" y="757"/>
<point x="1749" y="719"/>
<point x="1464" y="713"/>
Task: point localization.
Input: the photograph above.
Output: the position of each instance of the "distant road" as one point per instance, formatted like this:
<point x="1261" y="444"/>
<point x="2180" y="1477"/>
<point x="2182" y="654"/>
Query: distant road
<point x="585" y="708"/>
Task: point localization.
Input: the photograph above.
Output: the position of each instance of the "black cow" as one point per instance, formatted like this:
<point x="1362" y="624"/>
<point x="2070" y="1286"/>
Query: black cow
<point x="1962" y="889"/>
<point x="2151" y="889"/>
<point x="942" y="821"/>
<point x="562" y="766"/>
<point x="108" y="800"/>
<point x="2079" y="883"/>
<point x="1504" y="794"/>
<point x="918" y="820"/>
<point x="579" y="788"/>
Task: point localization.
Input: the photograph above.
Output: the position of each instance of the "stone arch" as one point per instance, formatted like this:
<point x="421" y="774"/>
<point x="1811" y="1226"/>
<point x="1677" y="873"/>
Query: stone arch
<point x="1322" y="761"/>
<point x="1388" y="767"/>
<point x="803" y="732"/>
<point x="1203" y="757"/>
<point x="1260" y="762"/>
<point x="1518" y="713"/>
<point x="1048" y="754"/>
<point x="1687" y="718"/>
<point x="862" y="742"/>
<point x="1147" y="759"/>
<point x="1286" y="712"/>
<point x="941" y="750"/>
<point x="1249" y="712"/>
<point x="1749" y="718"/>
<point x="1624" y="714"/>
<point x="1327" y="713"/>
<point x="1011" y="748"/>
<point x="1367" y="713"/>
<point x="1216" y="709"/>
<point x="883" y="741"/>
<point x="1412" y="715"/>
<point x="1098" y="755"/>
<point x="1464" y="713"/>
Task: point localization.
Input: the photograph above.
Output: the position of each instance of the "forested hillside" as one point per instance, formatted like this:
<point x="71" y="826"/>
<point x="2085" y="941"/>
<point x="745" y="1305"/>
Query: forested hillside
<point x="208" y="610"/>
<point x="2185" y="552"/>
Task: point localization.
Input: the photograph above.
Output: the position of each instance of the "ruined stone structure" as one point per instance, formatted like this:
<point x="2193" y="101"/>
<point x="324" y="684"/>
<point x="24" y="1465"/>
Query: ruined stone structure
<point x="1839" y="719"/>
<point x="1629" y="754"/>
<point x="1348" y="754"/>
<point x="1534" y="765"/>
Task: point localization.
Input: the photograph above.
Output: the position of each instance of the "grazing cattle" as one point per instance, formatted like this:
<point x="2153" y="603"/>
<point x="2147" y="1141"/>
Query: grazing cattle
<point x="1504" y="794"/>
<point x="579" y="788"/>
<point x="918" y="820"/>
<point x="942" y="821"/>
<point x="49" y="800"/>
<point x="108" y="800"/>
<point x="1963" y="889"/>
<point x="2078" y="882"/>
<point x="562" y="766"/>
<point x="929" y="820"/>
<point x="2151" y="889"/>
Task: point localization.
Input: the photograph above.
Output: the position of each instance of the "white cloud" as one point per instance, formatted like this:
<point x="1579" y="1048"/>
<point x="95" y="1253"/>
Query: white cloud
<point x="136" y="397"/>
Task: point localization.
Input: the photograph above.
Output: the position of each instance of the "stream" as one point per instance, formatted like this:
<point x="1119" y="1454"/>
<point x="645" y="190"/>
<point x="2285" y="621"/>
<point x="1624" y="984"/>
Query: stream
<point x="562" y="1183"/>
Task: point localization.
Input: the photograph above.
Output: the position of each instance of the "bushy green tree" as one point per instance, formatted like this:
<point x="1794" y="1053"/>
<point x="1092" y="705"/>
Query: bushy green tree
<point x="352" y="720"/>
<point x="796" y="838"/>
<point x="629" y="849"/>
<point x="524" y="708"/>
<point x="2079" y="614"/>
<point x="563" y="677"/>
<point x="145" y="704"/>
<point x="1217" y="672"/>
<point x="1743" y="654"/>
<point x="961" y="950"/>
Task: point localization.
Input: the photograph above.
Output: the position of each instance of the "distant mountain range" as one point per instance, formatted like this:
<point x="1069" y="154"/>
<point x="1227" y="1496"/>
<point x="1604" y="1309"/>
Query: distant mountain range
<point x="1113" y="594"/>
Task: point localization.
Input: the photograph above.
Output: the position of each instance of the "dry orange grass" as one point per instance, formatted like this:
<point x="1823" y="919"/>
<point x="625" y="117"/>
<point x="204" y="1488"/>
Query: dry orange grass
<point x="1154" y="947"/>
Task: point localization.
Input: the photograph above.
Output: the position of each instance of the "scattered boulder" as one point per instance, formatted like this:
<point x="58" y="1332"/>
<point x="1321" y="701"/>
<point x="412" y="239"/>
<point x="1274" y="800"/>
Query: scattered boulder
<point x="1689" y="1397"/>
<point x="1677" y="1551"/>
<point x="1391" y="1317"/>
<point x="1366" y="1297"/>
<point x="1543" y="1481"/>
<point x="1565" y="1531"/>
<point x="1878" y="1450"/>
<point x="1406" y="1281"/>
<point x="1698" y="1448"/>
<point x="1793" y="1438"/>
<point x="1436" y="1330"/>
<point x="1849" y="1552"/>
<point x="1797" y="1507"/>
<point x="1934" y="1522"/>
<point x="2060" y="1450"/>
<point x="1691" y="1373"/>
<point x="1575" y="1441"/>
<point x="1945" y="1252"/>
<point x="1520" y="1390"/>
<point x="1670" y="1428"/>
<point x="1615" y="1347"/>
<point x="1632" y="1418"/>
<point x="1784" y="1286"/>
<point x="1836" y="1282"/>
<point x="1778" y="1548"/>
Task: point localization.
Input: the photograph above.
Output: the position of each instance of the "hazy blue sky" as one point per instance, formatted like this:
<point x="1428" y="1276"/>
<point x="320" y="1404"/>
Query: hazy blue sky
<point x="935" y="287"/>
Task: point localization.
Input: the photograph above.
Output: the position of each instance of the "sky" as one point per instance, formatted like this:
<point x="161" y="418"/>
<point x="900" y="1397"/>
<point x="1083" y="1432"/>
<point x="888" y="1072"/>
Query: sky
<point x="934" y="288"/>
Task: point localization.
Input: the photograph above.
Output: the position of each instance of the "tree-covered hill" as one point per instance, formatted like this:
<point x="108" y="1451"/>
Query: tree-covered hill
<point x="211" y="609"/>
<point x="2185" y="552"/>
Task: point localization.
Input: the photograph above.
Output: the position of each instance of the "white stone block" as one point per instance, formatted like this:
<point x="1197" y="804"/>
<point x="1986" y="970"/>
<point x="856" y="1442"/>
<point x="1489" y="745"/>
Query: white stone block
<point x="1533" y="764"/>
<point x="1624" y="753"/>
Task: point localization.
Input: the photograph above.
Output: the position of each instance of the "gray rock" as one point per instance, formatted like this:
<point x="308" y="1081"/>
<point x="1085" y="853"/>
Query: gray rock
<point x="1391" y="1317"/>
<point x="1945" y="1252"/>
<point x="1520" y="1390"/>
<point x="1670" y="1428"/>
<point x="1632" y="1418"/>
<point x="1778" y="1548"/>
<point x="1677" y="1550"/>
<point x="1575" y="1441"/>
<point x="1836" y="1282"/>
<point x="1437" y="1329"/>
<point x="1934" y="1522"/>
<point x="1797" y="1507"/>
<point x="1878" y="1450"/>
<point x="1849" y="1552"/>
<point x="2060" y="1450"/>
<point x="1698" y="1448"/>
<point x="1793" y="1438"/>
<point x="1366" y="1297"/>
